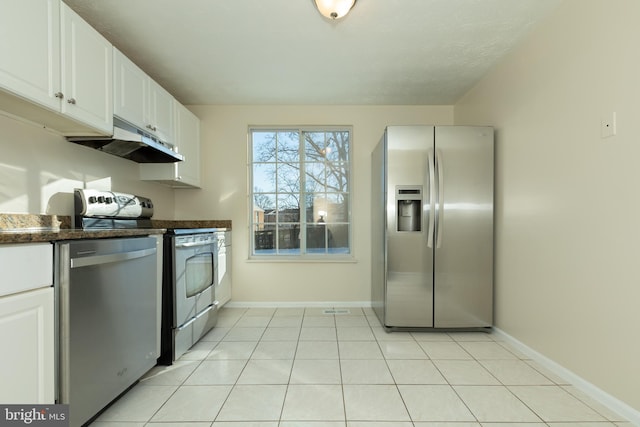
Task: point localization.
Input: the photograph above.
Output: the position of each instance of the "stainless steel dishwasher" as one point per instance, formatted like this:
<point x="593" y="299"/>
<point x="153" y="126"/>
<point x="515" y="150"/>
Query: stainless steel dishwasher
<point x="107" y="294"/>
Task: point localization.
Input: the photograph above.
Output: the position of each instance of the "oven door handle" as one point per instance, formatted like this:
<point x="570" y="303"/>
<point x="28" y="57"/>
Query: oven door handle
<point x="106" y="259"/>
<point x="213" y="305"/>
<point x="192" y="244"/>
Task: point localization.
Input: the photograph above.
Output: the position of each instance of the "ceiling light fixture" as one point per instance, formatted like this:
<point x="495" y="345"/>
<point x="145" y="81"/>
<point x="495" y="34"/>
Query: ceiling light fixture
<point x="334" y="9"/>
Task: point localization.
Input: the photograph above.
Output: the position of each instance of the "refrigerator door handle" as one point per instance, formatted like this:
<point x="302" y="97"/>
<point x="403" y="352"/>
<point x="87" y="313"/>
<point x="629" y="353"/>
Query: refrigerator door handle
<point x="432" y="198"/>
<point x="440" y="216"/>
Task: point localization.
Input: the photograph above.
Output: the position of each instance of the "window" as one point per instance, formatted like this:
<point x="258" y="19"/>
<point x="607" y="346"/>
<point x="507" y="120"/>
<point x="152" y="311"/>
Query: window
<point x="301" y="192"/>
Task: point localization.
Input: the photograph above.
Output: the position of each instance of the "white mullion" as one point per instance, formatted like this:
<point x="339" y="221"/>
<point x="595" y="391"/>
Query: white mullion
<point x="326" y="199"/>
<point x="276" y="238"/>
<point x="252" y="197"/>
<point x="302" y="194"/>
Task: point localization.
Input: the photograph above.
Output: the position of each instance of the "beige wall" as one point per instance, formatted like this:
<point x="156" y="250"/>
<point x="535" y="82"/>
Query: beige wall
<point x="39" y="170"/>
<point x="224" y="195"/>
<point x="568" y="201"/>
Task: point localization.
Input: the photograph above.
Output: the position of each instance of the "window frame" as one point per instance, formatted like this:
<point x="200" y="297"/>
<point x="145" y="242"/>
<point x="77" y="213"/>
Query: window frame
<point x="303" y="254"/>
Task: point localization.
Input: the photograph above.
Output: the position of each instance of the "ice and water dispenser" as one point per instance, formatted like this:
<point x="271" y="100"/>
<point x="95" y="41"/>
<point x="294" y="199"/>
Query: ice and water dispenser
<point x="409" y="199"/>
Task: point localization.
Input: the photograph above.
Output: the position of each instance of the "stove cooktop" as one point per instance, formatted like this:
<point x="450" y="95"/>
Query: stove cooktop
<point x="99" y="209"/>
<point x="110" y="210"/>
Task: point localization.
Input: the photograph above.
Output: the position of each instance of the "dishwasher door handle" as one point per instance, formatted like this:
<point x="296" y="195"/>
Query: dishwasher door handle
<point x="106" y="259"/>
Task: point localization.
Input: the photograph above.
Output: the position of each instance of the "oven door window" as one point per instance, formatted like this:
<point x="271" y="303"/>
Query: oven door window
<point x="198" y="273"/>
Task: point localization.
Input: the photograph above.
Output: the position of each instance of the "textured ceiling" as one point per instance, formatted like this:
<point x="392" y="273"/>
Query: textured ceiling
<point x="403" y="52"/>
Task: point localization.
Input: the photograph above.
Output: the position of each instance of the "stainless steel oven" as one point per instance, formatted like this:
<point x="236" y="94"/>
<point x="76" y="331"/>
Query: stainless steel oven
<point x="189" y="281"/>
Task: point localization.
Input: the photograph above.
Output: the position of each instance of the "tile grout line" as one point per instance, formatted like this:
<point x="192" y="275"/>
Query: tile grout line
<point x="452" y="387"/>
<point x="243" y="368"/>
<point x="295" y="352"/>
<point x="344" y="400"/>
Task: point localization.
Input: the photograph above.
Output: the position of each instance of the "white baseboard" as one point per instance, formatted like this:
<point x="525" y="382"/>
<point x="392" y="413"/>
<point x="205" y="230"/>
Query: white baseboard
<point x="298" y="304"/>
<point x="612" y="403"/>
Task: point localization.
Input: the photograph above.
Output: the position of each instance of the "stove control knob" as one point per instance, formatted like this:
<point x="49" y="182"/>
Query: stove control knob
<point x="108" y="200"/>
<point x="92" y="199"/>
<point x="100" y="199"/>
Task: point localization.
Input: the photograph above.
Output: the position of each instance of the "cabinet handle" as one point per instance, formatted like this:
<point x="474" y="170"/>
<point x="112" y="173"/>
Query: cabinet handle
<point x="71" y="101"/>
<point x="58" y="95"/>
<point x="153" y="128"/>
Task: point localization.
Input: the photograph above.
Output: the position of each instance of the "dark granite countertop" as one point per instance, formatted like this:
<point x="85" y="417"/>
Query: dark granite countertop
<point x="28" y="228"/>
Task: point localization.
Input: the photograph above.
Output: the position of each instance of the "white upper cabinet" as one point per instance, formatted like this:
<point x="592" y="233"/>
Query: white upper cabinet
<point x="160" y="114"/>
<point x="30" y="50"/>
<point x="139" y="100"/>
<point x="130" y="90"/>
<point x="184" y="174"/>
<point x="55" y="69"/>
<point x="188" y="140"/>
<point x="87" y="82"/>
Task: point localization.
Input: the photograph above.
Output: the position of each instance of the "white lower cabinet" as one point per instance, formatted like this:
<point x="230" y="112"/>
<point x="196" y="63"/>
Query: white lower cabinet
<point x="27" y="334"/>
<point x="223" y="289"/>
<point x="27" y="360"/>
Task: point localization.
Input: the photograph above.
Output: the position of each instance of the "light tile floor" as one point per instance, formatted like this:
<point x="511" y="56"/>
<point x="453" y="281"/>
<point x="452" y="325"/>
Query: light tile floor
<point x="294" y="367"/>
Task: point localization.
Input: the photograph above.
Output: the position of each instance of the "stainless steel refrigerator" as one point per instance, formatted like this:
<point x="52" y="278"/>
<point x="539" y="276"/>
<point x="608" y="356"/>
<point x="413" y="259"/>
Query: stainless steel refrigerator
<point x="432" y="227"/>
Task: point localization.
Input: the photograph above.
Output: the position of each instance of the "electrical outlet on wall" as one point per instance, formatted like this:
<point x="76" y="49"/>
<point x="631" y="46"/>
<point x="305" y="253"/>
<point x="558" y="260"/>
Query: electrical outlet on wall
<point x="608" y="126"/>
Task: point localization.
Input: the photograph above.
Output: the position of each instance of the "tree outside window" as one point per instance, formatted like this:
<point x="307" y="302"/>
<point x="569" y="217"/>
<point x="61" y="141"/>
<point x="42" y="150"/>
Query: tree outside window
<point x="301" y="195"/>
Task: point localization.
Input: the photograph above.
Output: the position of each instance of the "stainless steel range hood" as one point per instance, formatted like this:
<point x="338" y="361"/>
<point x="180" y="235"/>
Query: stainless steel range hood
<point x="131" y="143"/>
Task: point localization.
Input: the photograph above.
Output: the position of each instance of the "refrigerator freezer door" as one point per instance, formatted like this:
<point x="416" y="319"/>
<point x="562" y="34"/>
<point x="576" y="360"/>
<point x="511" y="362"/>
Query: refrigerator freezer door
<point x="463" y="289"/>
<point x="378" y="228"/>
<point x="409" y="286"/>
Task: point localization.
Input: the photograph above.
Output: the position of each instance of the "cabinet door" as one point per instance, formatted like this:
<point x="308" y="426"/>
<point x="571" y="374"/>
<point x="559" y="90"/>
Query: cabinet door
<point x="27" y="362"/>
<point x="160" y="116"/>
<point x="129" y="90"/>
<point x="223" y="290"/>
<point x="30" y="50"/>
<point x="188" y="142"/>
<point x="87" y="70"/>
<point x="25" y="266"/>
<point x="185" y="174"/>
